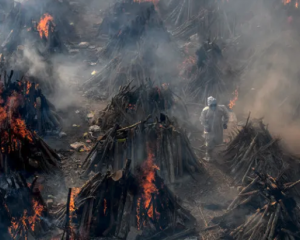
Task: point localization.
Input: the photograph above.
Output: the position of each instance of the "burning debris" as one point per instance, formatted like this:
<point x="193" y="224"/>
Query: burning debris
<point x="20" y="146"/>
<point x="121" y="204"/>
<point x="22" y="209"/>
<point x="266" y="208"/>
<point x="254" y="147"/>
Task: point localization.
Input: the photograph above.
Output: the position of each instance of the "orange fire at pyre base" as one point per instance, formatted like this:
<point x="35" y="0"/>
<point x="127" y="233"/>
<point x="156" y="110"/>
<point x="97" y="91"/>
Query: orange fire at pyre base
<point x="106" y="204"/>
<point x="149" y="192"/>
<point x="22" y="210"/>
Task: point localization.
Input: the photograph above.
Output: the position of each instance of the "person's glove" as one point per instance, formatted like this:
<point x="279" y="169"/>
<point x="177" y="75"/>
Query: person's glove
<point x="224" y="126"/>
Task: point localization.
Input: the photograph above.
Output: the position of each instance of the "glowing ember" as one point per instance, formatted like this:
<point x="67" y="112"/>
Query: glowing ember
<point x="187" y="65"/>
<point x="28" y="86"/>
<point x="138" y="205"/>
<point x="43" y="27"/>
<point x="105" y="206"/>
<point x="233" y="101"/>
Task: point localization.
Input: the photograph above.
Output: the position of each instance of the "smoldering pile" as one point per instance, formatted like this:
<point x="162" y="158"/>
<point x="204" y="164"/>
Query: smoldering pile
<point x="254" y="147"/>
<point x="186" y="18"/>
<point x="21" y="148"/>
<point x="133" y="54"/>
<point x="146" y="26"/>
<point x="209" y="74"/>
<point x="266" y="208"/>
<point x="133" y="103"/>
<point x="121" y="14"/>
<point x="23" y="212"/>
<point x="122" y="204"/>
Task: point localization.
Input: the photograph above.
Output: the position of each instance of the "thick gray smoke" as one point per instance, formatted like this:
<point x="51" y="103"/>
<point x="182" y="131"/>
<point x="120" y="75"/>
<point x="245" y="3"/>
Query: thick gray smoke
<point x="269" y="49"/>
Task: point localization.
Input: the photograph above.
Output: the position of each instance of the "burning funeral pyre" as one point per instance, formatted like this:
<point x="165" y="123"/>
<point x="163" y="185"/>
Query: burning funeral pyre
<point x="266" y="210"/>
<point x="254" y="147"/>
<point x="121" y="204"/>
<point x="24" y="23"/>
<point x="23" y="211"/>
<point x="23" y="109"/>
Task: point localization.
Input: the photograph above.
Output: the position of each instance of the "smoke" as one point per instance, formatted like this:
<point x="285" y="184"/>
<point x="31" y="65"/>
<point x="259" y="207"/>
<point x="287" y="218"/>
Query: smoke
<point x="269" y="47"/>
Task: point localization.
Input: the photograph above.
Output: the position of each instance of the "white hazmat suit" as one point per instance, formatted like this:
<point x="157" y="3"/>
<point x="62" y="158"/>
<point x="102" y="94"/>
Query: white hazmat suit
<point x="214" y="119"/>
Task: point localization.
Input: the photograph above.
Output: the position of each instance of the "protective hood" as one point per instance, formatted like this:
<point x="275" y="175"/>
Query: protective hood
<point x="211" y="100"/>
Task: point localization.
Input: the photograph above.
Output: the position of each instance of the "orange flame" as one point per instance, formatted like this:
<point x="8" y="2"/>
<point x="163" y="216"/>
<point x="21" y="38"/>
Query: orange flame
<point x="22" y="223"/>
<point x="286" y="1"/>
<point x="147" y="184"/>
<point x="235" y="98"/>
<point x="12" y="128"/>
<point x="74" y="193"/>
<point x="42" y="27"/>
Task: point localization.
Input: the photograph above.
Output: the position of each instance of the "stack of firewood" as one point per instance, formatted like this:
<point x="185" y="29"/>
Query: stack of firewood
<point x="121" y="204"/>
<point x="266" y="210"/>
<point x="172" y="149"/>
<point x="254" y="147"/>
<point x="23" y="212"/>
<point x="133" y="103"/>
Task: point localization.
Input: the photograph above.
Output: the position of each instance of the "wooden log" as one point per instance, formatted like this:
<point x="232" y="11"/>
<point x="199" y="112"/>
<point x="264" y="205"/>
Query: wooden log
<point x="274" y="223"/>
<point x="180" y="164"/>
<point x="171" y="160"/>
<point x="67" y="226"/>
<point x="243" y="191"/>
<point x="116" y="156"/>
<point x="39" y="114"/>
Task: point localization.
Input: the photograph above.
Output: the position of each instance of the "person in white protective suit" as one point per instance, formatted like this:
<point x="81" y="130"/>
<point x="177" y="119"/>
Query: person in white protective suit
<point x="214" y="119"/>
